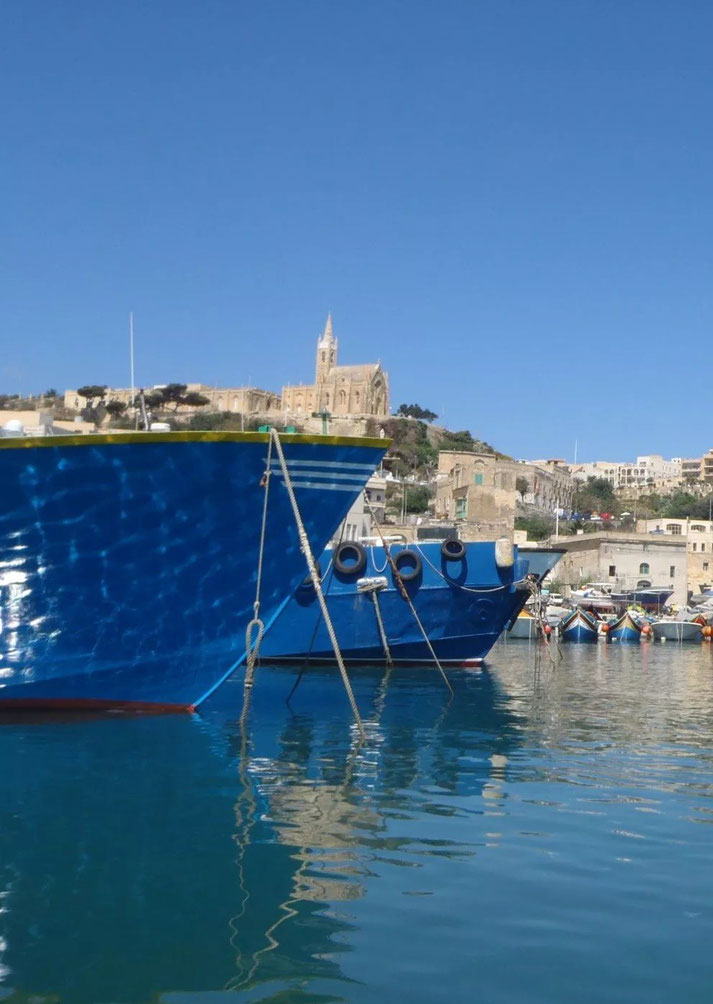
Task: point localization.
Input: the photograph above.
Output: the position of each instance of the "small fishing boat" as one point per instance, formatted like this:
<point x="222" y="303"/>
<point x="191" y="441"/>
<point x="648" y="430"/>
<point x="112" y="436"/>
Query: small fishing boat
<point x="595" y="596"/>
<point x="524" y="626"/>
<point x="625" y="628"/>
<point x="670" y="629"/>
<point x="651" y="598"/>
<point x="579" y="626"/>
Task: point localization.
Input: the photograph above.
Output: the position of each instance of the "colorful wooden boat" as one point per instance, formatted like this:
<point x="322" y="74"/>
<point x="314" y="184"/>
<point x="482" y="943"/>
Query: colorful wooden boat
<point x="579" y="626"/>
<point x="524" y="626"/>
<point x="625" y="629"/>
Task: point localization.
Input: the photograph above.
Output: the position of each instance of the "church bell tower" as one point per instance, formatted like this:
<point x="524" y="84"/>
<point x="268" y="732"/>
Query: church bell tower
<point x="326" y="352"/>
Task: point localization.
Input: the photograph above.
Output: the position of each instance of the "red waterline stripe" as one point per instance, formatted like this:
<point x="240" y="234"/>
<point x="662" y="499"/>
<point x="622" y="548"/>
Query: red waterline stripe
<point x="89" y="704"/>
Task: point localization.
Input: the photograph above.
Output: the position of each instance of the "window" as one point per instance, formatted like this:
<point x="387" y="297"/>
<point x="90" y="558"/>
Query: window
<point x="703" y="547"/>
<point x="644" y="568"/>
<point x="461" y="508"/>
<point x="672" y="571"/>
<point x="612" y="571"/>
<point x="478" y="479"/>
<point x="698" y="527"/>
<point x="705" y="566"/>
<point x="695" y="546"/>
<point x="673" y="528"/>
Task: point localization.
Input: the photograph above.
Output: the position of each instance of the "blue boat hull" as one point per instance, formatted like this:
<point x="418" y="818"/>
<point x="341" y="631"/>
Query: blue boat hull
<point x="463" y="606"/>
<point x="625" y="629"/>
<point x="578" y="627"/>
<point x="128" y="563"/>
<point x="540" y="561"/>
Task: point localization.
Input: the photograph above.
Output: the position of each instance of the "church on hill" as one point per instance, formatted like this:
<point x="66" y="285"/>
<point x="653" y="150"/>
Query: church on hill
<point x="340" y="390"/>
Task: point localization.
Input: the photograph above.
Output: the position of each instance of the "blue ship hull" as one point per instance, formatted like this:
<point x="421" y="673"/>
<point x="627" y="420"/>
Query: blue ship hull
<point x="128" y="562"/>
<point x="463" y="606"/>
<point x="540" y="561"/>
<point x="578" y="626"/>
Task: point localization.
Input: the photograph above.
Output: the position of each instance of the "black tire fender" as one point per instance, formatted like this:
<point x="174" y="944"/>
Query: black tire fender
<point x="350" y="558"/>
<point x="408" y="565"/>
<point x="453" y="549"/>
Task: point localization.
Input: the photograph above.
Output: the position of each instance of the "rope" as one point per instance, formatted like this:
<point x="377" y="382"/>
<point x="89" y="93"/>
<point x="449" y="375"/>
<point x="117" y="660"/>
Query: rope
<point x="305" y="661"/>
<point x="535" y="588"/>
<point x="307" y="551"/>
<point x="252" y="648"/>
<point x="404" y="593"/>
<point x="382" y="631"/>
<point x="457" y="585"/>
<point x="373" y="562"/>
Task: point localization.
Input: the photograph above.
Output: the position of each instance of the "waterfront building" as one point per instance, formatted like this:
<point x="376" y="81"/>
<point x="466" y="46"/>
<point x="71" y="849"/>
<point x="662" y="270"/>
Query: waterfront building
<point x="41" y="423"/>
<point x="698" y="537"/>
<point x="359" y="521"/>
<point x="361" y="390"/>
<point x="623" y="560"/>
<point x="477" y="491"/>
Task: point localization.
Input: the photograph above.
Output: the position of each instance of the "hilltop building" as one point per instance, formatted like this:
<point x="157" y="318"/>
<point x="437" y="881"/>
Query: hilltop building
<point x="477" y="492"/>
<point x="238" y="400"/>
<point x="650" y="471"/>
<point x="344" y="391"/>
<point x="340" y="390"/>
<point x="699" y="468"/>
<point x="550" y="485"/>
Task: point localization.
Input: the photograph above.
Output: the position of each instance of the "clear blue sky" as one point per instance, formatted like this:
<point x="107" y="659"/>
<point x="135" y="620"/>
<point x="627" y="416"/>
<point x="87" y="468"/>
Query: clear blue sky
<point x="506" y="201"/>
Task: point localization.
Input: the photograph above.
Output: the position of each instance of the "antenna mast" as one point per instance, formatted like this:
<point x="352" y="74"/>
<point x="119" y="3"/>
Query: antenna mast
<point x="131" y="354"/>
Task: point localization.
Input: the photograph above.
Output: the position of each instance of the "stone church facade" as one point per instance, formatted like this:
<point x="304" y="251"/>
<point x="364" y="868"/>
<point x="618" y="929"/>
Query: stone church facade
<point x="340" y="390"/>
<point x="349" y="392"/>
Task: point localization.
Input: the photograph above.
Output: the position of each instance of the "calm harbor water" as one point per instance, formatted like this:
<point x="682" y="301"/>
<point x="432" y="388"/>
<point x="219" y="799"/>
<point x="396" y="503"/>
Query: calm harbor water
<point x="544" y="837"/>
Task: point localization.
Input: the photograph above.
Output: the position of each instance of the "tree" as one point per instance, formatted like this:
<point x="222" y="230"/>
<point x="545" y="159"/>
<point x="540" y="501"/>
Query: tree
<point x="154" y="399"/>
<point x="195" y="400"/>
<point x="596" y="495"/>
<point x="522" y="485"/>
<point x="537" y="527"/>
<point x="116" y="408"/>
<point x="416" y="411"/>
<point x="173" y="393"/>
<point x="417" y="498"/>
<point x="91" y="391"/>
<point x="50" y="393"/>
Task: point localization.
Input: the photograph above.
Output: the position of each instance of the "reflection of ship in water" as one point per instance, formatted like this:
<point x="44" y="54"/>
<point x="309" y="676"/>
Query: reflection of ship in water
<point x="142" y="856"/>
<point x="337" y="806"/>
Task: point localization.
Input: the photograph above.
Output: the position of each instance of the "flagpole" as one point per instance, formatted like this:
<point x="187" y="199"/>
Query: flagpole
<point x="131" y="354"/>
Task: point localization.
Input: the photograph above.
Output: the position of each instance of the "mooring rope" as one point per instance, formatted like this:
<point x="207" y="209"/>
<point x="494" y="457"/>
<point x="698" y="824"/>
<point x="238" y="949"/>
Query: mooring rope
<point x="373" y="587"/>
<point x="404" y="593"/>
<point x="305" y="661"/>
<point x="252" y="647"/>
<point x="312" y="566"/>
<point x="458" y="585"/>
